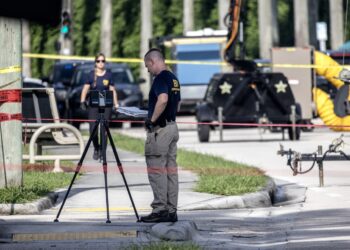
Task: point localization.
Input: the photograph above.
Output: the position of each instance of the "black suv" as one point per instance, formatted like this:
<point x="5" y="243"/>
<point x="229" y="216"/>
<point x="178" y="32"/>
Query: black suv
<point x="128" y="91"/>
<point x="60" y="79"/>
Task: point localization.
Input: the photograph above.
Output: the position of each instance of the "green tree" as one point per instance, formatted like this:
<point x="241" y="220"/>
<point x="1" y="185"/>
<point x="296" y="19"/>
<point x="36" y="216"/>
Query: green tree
<point x="285" y="23"/>
<point x="206" y="14"/>
<point x="251" y="30"/>
<point x="86" y="31"/>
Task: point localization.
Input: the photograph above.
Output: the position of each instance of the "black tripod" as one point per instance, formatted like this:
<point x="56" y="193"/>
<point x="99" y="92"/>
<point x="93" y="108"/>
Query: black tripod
<point x="103" y="130"/>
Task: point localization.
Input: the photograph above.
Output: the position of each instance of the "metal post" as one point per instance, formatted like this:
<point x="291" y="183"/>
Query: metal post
<point x="293" y="120"/>
<point x="320" y="166"/>
<point x="220" y="118"/>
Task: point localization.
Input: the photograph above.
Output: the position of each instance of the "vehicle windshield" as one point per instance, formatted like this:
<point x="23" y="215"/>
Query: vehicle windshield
<point x="63" y="73"/>
<point x="119" y="75"/>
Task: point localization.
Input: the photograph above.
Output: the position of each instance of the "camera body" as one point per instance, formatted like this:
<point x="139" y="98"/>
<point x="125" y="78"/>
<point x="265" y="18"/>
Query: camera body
<point x="101" y="99"/>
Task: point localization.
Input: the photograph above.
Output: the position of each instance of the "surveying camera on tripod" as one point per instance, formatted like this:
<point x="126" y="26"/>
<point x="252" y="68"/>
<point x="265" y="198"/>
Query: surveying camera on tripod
<point x="102" y="100"/>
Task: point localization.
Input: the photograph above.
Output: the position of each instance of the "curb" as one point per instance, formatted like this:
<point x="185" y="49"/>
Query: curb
<point x="261" y="198"/>
<point x="29" y="208"/>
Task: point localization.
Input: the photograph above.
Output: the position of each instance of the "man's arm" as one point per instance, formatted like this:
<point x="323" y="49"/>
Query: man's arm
<point x="160" y="106"/>
<point x="115" y="96"/>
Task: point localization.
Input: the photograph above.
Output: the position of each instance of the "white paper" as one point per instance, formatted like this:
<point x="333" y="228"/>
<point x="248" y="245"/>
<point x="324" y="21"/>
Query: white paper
<point x="133" y="111"/>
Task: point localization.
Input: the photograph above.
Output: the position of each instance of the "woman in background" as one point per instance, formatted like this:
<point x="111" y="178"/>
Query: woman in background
<point x="99" y="79"/>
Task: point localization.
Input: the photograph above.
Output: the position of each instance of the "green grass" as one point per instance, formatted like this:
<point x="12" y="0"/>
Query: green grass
<point x="217" y="175"/>
<point x="35" y="185"/>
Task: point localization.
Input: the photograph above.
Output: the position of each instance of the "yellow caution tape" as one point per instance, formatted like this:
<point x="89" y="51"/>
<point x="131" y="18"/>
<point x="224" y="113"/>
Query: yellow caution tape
<point x="113" y="59"/>
<point x="138" y="60"/>
<point x="10" y="69"/>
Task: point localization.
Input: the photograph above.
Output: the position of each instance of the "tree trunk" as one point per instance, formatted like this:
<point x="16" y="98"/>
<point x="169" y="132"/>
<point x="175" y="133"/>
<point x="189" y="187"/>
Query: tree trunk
<point x="223" y="10"/>
<point x="187" y="16"/>
<point x="106" y="28"/>
<point x="301" y="23"/>
<point x="268" y="28"/>
<point x="337" y="23"/>
<point x="146" y="34"/>
<point x="10" y="131"/>
<point x="313" y="19"/>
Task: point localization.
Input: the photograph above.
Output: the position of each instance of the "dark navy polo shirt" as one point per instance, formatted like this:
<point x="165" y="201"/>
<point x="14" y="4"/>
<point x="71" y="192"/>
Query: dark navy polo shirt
<point x="102" y="82"/>
<point x="165" y="82"/>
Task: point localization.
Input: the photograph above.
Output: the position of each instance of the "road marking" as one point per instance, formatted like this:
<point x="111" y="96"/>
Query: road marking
<point x="102" y="209"/>
<point x="73" y="235"/>
<point x="334" y="195"/>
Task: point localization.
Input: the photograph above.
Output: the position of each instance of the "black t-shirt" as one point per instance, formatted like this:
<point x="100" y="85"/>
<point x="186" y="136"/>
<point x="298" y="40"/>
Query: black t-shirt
<point x="102" y="82"/>
<point x="165" y="82"/>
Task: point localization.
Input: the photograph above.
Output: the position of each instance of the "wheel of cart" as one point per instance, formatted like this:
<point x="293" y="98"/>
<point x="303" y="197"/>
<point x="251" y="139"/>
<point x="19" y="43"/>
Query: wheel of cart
<point x="203" y="132"/>
<point x="294" y="132"/>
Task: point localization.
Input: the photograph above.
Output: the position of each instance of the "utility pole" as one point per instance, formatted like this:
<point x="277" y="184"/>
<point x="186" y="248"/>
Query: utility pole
<point x="146" y="35"/>
<point x="66" y="43"/>
<point x="27" y="71"/>
<point x="187" y="16"/>
<point x="336" y="23"/>
<point x="268" y="28"/>
<point x="106" y="28"/>
<point x="10" y="78"/>
<point x="301" y="23"/>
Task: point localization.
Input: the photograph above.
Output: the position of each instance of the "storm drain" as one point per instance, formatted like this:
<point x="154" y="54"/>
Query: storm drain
<point x="73" y="235"/>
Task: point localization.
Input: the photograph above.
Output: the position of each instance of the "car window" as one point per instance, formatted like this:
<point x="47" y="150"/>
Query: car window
<point x="81" y="76"/>
<point x="63" y="73"/>
<point x="121" y="76"/>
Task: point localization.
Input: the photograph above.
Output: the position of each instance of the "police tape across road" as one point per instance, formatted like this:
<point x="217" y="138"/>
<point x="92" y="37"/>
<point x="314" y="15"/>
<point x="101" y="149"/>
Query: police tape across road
<point x="214" y="123"/>
<point x="10" y="69"/>
<point x="139" y="60"/>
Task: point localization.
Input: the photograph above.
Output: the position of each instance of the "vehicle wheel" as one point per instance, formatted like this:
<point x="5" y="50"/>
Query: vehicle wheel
<point x="307" y="128"/>
<point x="203" y="132"/>
<point x="291" y="133"/>
<point x="137" y="124"/>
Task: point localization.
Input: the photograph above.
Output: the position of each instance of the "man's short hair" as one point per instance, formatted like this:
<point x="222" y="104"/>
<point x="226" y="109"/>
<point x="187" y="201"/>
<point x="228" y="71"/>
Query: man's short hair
<point x="154" y="53"/>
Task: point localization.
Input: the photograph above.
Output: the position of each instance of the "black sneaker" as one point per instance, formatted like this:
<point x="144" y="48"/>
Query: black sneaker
<point x="162" y="216"/>
<point x="95" y="156"/>
<point x="172" y="217"/>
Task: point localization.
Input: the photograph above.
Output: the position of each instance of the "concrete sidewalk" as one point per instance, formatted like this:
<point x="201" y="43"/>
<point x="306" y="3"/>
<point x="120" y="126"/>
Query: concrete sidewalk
<point x="88" y="192"/>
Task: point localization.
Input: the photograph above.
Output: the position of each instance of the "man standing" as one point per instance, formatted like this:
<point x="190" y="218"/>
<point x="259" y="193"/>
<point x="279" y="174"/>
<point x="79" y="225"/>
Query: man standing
<point x="162" y="136"/>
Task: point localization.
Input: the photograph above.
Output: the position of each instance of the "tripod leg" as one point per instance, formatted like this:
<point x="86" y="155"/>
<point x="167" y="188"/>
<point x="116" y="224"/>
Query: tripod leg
<point x="120" y="167"/>
<point x="80" y="163"/>
<point x="104" y="157"/>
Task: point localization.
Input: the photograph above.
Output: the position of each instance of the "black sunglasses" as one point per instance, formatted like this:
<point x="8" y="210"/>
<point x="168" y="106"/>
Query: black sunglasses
<point x="98" y="61"/>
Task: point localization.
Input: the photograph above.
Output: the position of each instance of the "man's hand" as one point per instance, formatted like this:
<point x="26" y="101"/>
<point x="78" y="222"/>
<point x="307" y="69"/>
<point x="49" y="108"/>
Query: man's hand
<point x="149" y="125"/>
<point x="116" y="107"/>
<point x="83" y="106"/>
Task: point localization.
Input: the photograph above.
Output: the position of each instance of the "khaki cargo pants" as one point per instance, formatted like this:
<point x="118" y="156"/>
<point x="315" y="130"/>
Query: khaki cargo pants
<point x="160" y="152"/>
